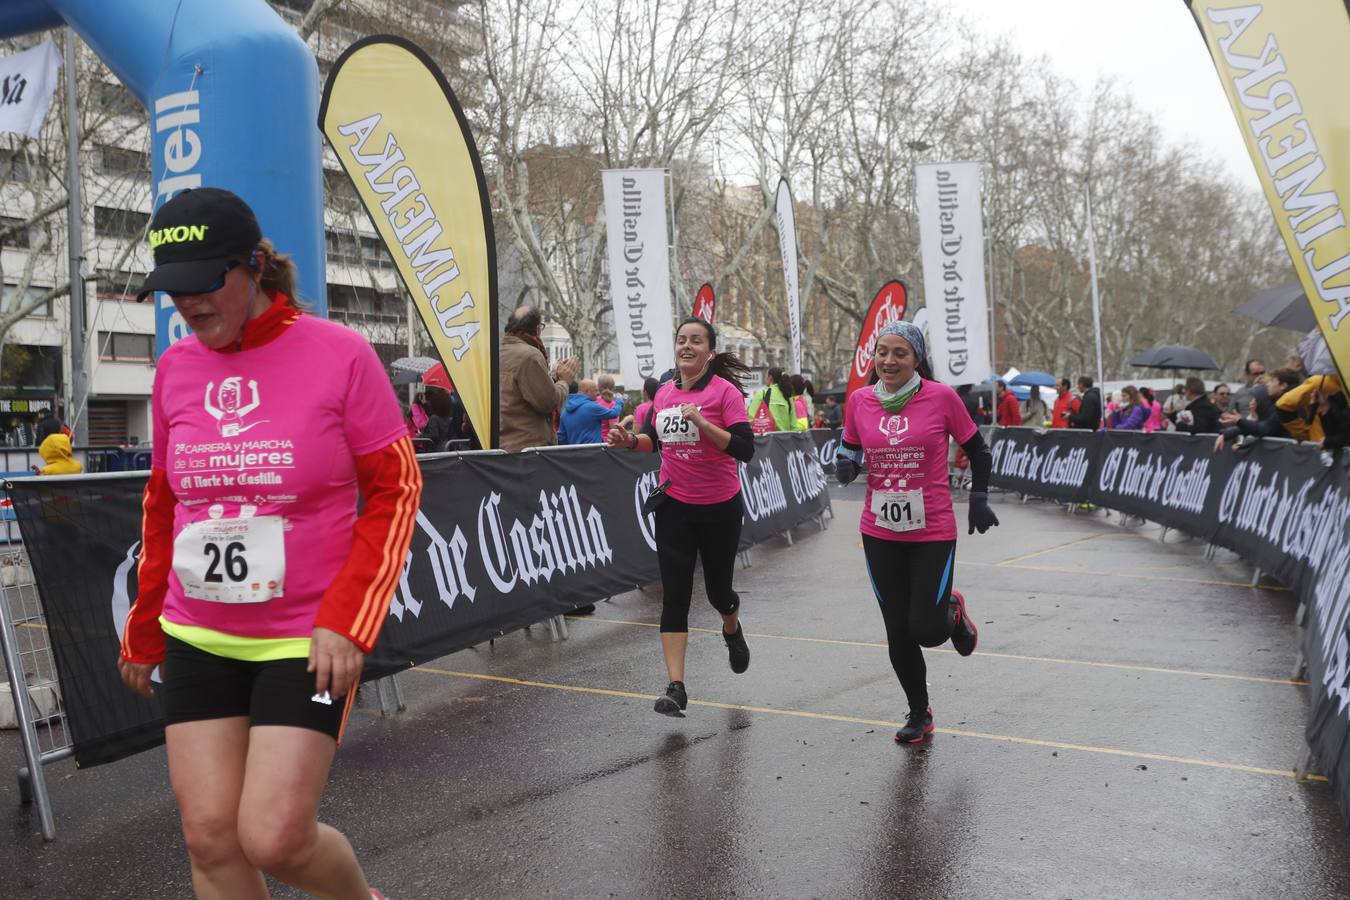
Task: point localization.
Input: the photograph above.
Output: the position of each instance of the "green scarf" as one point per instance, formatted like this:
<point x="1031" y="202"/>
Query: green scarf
<point x="893" y="403"/>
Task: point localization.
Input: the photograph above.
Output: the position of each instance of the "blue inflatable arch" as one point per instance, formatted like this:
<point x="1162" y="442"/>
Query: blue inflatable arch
<point x="232" y="96"/>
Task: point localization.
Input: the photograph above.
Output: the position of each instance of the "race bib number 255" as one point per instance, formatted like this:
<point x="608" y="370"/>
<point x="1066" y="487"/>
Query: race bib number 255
<point x="673" y="428"/>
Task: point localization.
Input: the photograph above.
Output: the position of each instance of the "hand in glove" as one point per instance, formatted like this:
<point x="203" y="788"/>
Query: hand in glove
<point x="982" y="518"/>
<point x="845" y="469"/>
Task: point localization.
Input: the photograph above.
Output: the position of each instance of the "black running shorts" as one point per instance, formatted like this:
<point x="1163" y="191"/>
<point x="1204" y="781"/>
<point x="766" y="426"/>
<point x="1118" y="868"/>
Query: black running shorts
<point x="200" y="685"/>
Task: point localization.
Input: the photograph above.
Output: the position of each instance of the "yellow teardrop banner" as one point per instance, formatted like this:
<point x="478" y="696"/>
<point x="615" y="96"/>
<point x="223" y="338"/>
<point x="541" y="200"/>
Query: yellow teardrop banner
<point x="402" y="138"/>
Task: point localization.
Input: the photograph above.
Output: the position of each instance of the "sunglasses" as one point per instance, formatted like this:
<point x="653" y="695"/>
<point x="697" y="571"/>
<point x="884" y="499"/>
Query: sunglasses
<point x="220" y="282"/>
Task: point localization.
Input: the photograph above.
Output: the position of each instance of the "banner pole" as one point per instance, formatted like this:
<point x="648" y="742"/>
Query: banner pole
<point x="989" y="275"/>
<point x="676" y="282"/>
<point x="1096" y="301"/>
<point x="75" y="413"/>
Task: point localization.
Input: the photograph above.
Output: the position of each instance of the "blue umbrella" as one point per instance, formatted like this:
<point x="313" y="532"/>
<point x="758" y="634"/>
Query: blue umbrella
<point x="1034" y="379"/>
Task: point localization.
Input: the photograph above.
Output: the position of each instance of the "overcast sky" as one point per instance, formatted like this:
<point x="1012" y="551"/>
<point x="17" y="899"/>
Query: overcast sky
<point x="1153" y="46"/>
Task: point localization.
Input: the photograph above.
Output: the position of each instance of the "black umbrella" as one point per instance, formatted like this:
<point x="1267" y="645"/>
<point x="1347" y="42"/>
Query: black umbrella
<point x="1284" y="306"/>
<point x="1170" y="357"/>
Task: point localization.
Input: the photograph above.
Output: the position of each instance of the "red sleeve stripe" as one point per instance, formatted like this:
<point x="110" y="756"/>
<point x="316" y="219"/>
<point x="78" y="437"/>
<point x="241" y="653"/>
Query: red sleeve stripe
<point x="376" y="601"/>
<point x="399" y="537"/>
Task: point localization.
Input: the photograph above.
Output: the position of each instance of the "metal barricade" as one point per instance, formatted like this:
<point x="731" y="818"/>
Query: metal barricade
<point x="32" y="681"/>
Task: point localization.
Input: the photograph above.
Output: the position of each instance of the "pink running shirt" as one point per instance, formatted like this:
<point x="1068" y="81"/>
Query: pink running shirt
<point x="606" y="424"/>
<point x="907" y="451"/>
<point x="640" y="415"/>
<point x="258" y="447"/>
<point x="698" y="472"/>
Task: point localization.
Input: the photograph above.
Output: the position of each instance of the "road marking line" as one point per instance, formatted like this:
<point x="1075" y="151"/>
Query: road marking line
<point x="1049" y="659"/>
<point x="1082" y="540"/>
<point x="1237" y="584"/>
<point x="857" y="720"/>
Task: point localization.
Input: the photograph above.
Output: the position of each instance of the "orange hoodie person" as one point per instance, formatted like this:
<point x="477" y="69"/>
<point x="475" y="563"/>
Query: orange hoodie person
<point x="60" y="456"/>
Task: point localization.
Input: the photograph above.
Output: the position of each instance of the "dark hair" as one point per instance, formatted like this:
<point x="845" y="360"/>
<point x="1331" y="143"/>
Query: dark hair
<point x="1288" y="377"/>
<point x="1132" y="392"/>
<point x="775" y="373"/>
<point x="798" y="384"/>
<point x="1147" y="393"/>
<point x="1247" y="367"/>
<point x="573" y="387"/>
<point x="1195" y="385"/>
<point x="649" y="388"/>
<point x="526" y="320"/>
<point x="1084" y="382"/>
<point x="723" y="365"/>
<point x="1003" y="384"/>
<point x="1063" y="380"/>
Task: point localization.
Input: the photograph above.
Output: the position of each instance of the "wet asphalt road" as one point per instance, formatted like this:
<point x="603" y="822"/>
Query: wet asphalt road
<point x="1126" y="729"/>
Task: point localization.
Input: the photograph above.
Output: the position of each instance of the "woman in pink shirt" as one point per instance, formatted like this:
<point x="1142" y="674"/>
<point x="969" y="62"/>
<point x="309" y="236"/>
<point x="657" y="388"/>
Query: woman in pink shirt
<point x="699" y="424"/>
<point x="898" y="432"/>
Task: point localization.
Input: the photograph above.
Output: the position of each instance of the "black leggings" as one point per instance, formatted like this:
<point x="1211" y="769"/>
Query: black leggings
<point x="913" y="584"/>
<point x="685" y="531"/>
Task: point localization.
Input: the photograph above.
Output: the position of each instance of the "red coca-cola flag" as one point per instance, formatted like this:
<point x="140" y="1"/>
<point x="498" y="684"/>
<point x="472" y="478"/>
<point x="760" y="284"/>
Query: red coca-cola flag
<point x="888" y="306"/>
<point x="704" y="304"/>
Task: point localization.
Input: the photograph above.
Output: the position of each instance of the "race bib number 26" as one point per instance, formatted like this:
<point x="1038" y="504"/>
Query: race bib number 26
<point x="232" y="560"/>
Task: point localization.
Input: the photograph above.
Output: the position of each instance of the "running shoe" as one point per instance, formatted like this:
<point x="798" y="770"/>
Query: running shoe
<point x="376" y="895"/>
<point x="918" y="725"/>
<point x="674" y="701"/>
<point x="738" y="651"/>
<point x="965" y="635"/>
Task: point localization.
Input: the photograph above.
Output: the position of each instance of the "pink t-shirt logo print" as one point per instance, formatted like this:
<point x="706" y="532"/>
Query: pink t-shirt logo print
<point x="227" y="412"/>
<point x="894" y="428"/>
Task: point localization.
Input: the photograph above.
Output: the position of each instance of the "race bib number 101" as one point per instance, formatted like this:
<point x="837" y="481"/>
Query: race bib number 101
<point x="232" y="560"/>
<point x="898" y="510"/>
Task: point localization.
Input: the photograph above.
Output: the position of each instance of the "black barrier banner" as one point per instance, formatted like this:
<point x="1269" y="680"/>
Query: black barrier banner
<point x="502" y="541"/>
<point x="827" y="442"/>
<point x="1167" y="478"/>
<point x="1284" y="507"/>
<point x="781" y="487"/>
<point x="83" y="537"/>
<point x="1055" y="464"/>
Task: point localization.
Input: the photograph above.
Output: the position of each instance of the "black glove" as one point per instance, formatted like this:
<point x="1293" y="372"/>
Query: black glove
<point x="982" y="518"/>
<point x="845" y="469"/>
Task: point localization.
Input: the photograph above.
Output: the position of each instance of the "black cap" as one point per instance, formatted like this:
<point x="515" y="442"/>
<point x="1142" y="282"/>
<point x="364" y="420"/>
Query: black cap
<point x="194" y="235"/>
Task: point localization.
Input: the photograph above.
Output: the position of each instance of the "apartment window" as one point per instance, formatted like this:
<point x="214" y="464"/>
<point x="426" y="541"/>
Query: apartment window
<point x="120" y="161"/>
<point x="123" y="346"/>
<point x="13" y="165"/>
<point x="120" y="223"/>
<point x="21" y="238"/>
<point x="119" y="285"/>
<point x="114" y="99"/>
<point x="9" y="302"/>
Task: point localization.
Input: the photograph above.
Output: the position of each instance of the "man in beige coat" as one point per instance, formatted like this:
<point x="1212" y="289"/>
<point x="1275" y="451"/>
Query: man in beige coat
<point x="528" y="395"/>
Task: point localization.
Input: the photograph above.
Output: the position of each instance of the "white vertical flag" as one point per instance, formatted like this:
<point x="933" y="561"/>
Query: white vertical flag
<point x="951" y="238"/>
<point x="787" y="246"/>
<point x="27" y="82"/>
<point x="639" y="271"/>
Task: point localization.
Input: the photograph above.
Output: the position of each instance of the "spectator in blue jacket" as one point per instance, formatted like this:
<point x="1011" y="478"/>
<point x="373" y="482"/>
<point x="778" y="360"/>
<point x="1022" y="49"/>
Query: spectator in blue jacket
<point x="581" y="417"/>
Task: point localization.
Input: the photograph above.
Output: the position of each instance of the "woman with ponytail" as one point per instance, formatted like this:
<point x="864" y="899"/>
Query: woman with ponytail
<point x="698" y="421"/>
<point x="897" y="431"/>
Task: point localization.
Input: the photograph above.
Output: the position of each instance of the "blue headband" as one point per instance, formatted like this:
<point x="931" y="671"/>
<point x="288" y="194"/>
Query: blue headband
<point x="911" y="333"/>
